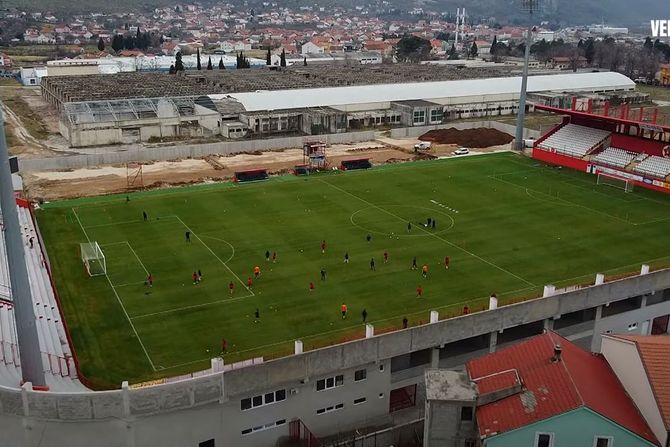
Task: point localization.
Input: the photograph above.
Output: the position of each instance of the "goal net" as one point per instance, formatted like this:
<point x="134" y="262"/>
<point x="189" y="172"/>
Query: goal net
<point x="93" y="259"/>
<point x="615" y="181"/>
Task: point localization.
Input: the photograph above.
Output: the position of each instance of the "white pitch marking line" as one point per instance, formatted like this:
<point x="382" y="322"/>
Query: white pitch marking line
<point x="124" y="222"/>
<point x="215" y="255"/>
<point x="432" y="234"/>
<point x="146" y="353"/>
<point x="138" y="258"/>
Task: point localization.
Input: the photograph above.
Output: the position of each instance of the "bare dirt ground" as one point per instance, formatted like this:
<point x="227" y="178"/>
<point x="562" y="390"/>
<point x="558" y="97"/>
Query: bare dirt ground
<point x="113" y="179"/>
<point x="53" y="185"/>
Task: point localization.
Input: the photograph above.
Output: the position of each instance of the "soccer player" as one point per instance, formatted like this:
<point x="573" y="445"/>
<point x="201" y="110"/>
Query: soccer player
<point x="274" y="257"/>
<point x="372" y="264"/>
<point x="250" y="282"/>
<point x="323" y="246"/>
<point x="267" y="255"/>
<point x="446" y="262"/>
<point x="257" y="316"/>
<point x="323" y="274"/>
<point x="145" y="216"/>
<point x="404" y="322"/>
<point x="343" y="309"/>
<point x="224" y="345"/>
<point x="364" y="314"/>
<point x="409" y="227"/>
<point x="433" y="224"/>
<point x="414" y="263"/>
<point x="368" y="237"/>
<point x="466" y="310"/>
<point x="257" y="272"/>
<point x="150" y="280"/>
<point x="194" y="276"/>
<point x="428" y="222"/>
<point x="419" y="291"/>
<point x="386" y="256"/>
<point x="188" y="236"/>
<point x="199" y="275"/>
<point x="346" y="257"/>
<point x="231" y="287"/>
<point x="311" y="286"/>
<point x="424" y="270"/>
<point x="31" y="241"/>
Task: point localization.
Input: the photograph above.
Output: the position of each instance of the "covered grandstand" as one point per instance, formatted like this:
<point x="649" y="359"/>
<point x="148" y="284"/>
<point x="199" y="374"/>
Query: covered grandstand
<point x="634" y="150"/>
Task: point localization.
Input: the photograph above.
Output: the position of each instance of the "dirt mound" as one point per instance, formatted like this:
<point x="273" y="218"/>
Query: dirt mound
<point x="481" y="137"/>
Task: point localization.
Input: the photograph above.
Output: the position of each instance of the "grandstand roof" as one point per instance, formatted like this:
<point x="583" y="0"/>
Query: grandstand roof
<point x="363" y="94"/>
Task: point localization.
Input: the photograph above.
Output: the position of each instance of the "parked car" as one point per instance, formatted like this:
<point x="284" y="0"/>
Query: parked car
<point x="422" y="146"/>
<point x="462" y="151"/>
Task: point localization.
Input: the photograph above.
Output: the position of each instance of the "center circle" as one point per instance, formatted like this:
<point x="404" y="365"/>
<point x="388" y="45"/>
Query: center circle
<point x="385" y="220"/>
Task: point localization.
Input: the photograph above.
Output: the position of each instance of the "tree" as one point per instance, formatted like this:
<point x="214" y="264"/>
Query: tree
<point x="172" y="69"/>
<point x="648" y="44"/>
<point x="282" y="58"/>
<point x="117" y="42"/>
<point x="221" y="66"/>
<point x="209" y="63"/>
<point x="101" y="44"/>
<point x="589" y="50"/>
<point x="474" y="51"/>
<point x="442" y="36"/>
<point x="304" y="61"/>
<point x="453" y="54"/>
<point x="412" y="49"/>
<point x="268" y="58"/>
<point x="178" y="64"/>
<point x="197" y="58"/>
<point x="242" y="61"/>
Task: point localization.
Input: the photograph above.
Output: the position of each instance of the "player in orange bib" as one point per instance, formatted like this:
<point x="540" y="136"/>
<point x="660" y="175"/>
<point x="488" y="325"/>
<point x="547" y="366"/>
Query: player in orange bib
<point x="343" y="308"/>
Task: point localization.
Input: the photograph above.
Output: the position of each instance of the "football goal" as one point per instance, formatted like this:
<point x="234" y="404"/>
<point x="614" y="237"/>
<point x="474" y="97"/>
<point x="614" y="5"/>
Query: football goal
<point x="615" y="181"/>
<point x="93" y="259"/>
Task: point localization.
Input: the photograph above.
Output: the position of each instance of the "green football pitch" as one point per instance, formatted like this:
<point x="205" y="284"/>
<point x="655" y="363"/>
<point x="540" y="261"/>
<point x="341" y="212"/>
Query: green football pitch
<point x="509" y="224"/>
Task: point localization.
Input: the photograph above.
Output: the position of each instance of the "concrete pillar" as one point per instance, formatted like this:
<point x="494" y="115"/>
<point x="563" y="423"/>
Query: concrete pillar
<point x="644" y="270"/>
<point x="599" y="313"/>
<point x="125" y="395"/>
<point x="369" y="331"/>
<point x="549" y="324"/>
<point x="435" y="358"/>
<point x="27" y="386"/>
<point x="643" y="301"/>
<point x="549" y="290"/>
<point x="493" y="302"/>
<point x="493" y="341"/>
<point x="297" y="347"/>
<point x="600" y="279"/>
<point x="434" y="316"/>
<point x="217" y="364"/>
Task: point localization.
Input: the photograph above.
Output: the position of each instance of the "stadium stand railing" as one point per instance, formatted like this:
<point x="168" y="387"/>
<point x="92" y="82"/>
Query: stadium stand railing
<point x="574" y="140"/>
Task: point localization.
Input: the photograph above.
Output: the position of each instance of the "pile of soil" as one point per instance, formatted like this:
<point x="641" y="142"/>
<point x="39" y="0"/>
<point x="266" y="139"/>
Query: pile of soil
<point x="473" y="138"/>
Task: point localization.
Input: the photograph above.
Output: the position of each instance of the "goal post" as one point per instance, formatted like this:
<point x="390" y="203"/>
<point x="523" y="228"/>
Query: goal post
<point x="616" y="181"/>
<point x="93" y="258"/>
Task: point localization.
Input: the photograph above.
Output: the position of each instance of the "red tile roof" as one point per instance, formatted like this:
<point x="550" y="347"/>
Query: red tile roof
<point x="654" y="351"/>
<point x="579" y="379"/>
<point x="497" y="381"/>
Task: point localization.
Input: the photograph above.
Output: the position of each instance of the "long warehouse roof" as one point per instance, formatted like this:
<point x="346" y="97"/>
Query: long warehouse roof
<point x="363" y="94"/>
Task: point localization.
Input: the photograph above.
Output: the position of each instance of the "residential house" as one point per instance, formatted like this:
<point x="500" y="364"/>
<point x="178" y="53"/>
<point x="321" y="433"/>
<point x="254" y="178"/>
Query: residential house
<point x="542" y="392"/>
<point x="32" y="76"/>
<point x="567" y="63"/>
<point x="642" y="364"/>
<point x="311" y="48"/>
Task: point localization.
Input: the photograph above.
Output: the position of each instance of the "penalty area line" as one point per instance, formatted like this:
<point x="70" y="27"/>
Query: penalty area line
<point x="193" y="306"/>
<point x="146" y="353"/>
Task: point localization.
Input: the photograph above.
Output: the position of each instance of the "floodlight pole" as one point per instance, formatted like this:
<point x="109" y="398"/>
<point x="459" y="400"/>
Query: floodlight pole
<point x="26" y="327"/>
<point x="521" y="115"/>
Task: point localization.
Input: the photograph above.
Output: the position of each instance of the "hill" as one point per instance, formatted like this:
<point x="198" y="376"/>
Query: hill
<point x="577" y="12"/>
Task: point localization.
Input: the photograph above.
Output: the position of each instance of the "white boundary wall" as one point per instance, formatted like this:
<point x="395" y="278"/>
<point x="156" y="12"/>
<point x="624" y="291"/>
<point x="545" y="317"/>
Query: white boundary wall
<point x="406" y="132"/>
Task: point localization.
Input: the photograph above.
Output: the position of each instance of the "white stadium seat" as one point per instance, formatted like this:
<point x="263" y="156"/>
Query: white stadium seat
<point x="617" y="158"/>
<point x="574" y="140"/>
<point x="654" y="166"/>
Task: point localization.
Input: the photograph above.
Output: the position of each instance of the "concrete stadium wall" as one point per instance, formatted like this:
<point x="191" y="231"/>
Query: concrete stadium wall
<point x="407" y="132"/>
<point x="186" y="151"/>
<point x="208" y="407"/>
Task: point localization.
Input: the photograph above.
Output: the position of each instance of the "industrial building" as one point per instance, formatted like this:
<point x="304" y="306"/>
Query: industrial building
<point x="312" y="110"/>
